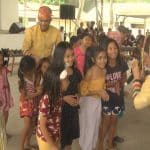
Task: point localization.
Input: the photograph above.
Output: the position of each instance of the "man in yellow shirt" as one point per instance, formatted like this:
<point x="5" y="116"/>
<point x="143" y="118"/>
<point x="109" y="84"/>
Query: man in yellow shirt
<point x="40" y="40"/>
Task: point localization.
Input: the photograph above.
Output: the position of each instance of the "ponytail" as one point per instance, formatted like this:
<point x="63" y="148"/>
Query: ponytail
<point x="21" y="81"/>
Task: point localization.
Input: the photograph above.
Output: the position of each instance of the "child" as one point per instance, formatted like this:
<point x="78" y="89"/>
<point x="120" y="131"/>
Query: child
<point x="28" y="110"/>
<point x="6" y="99"/>
<point x="41" y="70"/>
<point x="3" y="140"/>
<point x="79" y="52"/>
<point x="40" y="73"/>
<point x="93" y="89"/>
<point x="75" y="41"/>
<point x="50" y="109"/>
<point x="115" y="78"/>
<point x="64" y="58"/>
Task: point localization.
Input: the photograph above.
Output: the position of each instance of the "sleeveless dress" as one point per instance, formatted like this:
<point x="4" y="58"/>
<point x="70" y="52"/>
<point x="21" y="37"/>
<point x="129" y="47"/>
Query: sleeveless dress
<point x="70" y="115"/>
<point x="90" y="113"/>
<point x="28" y="107"/>
<point x="6" y="100"/>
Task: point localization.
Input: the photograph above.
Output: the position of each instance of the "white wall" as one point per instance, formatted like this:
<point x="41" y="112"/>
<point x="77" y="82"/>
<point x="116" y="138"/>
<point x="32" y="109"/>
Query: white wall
<point x="11" y="41"/>
<point x="8" y="13"/>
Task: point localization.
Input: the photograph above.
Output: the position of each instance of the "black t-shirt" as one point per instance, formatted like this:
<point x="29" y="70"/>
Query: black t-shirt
<point x="114" y="75"/>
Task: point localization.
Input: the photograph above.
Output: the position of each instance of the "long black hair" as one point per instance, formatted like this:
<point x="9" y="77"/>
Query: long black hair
<point x="73" y="40"/>
<point x="1" y="53"/>
<point x="41" y="62"/>
<point x="59" y="53"/>
<point x="5" y="58"/>
<point x="90" y="56"/>
<point x="27" y="64"/>
<point x="52" y="85"/>
<point x="106" y="44"/>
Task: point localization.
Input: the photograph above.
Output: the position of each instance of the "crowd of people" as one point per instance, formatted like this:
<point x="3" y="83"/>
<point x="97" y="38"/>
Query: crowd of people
<point x="75" y="89"/>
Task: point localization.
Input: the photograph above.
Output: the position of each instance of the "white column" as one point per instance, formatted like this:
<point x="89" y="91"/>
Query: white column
<point x="8" y="13"/>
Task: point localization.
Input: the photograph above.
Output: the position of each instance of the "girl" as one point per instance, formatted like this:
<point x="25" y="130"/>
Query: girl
<point x="79" y="52"/>
<point x="115" y="78"/>
<point x="64" y="58"/>
<point x="41" y="70"/>
<point x="6" y="100"/>
<point x="50" y="109"/>
<point x="40" y="73"/>
<point x="28" y="110"/>
<point x="75" y="41"/>
<point x="3" y="140"/>
<point x="93" y="87"/>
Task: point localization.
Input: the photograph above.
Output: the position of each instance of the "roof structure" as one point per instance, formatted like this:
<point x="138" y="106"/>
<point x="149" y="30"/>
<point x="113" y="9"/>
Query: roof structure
<point x="139" y="10"/>
<point x="135" y="16"/>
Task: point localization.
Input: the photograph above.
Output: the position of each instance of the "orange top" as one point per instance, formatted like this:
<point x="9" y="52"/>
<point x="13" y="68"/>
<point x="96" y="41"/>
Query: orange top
<point x="92" y="86"/>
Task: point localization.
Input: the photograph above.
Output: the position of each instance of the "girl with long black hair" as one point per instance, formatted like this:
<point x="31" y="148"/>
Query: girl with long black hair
<point x="50" y="109"/>
<point x="63" y="58"/>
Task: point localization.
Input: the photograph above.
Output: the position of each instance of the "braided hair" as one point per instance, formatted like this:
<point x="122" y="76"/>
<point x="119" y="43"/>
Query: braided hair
<point x="27" y="64"/>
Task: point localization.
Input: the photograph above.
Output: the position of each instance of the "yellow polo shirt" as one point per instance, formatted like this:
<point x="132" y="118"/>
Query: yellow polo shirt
<point x="40" y="44"/>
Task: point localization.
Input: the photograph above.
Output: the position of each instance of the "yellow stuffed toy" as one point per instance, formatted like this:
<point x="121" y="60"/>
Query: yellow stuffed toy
<point x="142" y="99"/>
<point x="141" y="94"/>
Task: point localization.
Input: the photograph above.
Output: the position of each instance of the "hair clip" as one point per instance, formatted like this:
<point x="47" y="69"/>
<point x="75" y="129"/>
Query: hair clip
<point x="63" y="74"/>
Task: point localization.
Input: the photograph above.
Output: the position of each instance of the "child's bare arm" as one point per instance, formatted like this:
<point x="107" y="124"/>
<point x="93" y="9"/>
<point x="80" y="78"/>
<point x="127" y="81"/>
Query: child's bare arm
<point x="35" y="94"/>
<point x="136" y="69"/>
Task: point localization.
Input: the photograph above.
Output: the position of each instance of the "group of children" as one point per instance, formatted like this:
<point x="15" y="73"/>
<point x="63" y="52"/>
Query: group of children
<point x="78" y="93"/>
<point x="51" y="94"/>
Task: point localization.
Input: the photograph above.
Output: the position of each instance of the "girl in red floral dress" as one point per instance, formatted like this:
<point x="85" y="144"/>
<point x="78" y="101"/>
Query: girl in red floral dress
<point x="48" y="132"/>
<point x="28" y="93"/>
<point x="6" y="100"/>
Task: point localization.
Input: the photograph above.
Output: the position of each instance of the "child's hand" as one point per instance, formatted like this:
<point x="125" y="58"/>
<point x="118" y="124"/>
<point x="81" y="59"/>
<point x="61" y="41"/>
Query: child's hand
<point x="71" y="100"/>
<point x="39" y="90"/>
<point x="104" y="95"/>
<point x="77" y="98"/>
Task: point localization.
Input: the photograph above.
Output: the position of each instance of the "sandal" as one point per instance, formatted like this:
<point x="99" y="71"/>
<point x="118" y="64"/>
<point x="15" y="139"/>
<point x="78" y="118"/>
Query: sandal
<point x="9" y="136"/>
<point x="118" y="139"/>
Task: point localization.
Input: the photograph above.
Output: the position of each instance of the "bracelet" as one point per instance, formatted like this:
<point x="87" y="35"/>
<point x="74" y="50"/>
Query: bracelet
<point x="138" y="80"/>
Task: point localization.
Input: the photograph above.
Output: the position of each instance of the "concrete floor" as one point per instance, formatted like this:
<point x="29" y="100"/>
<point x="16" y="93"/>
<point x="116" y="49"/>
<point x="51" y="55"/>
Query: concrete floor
<point x="134" y="126"/>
